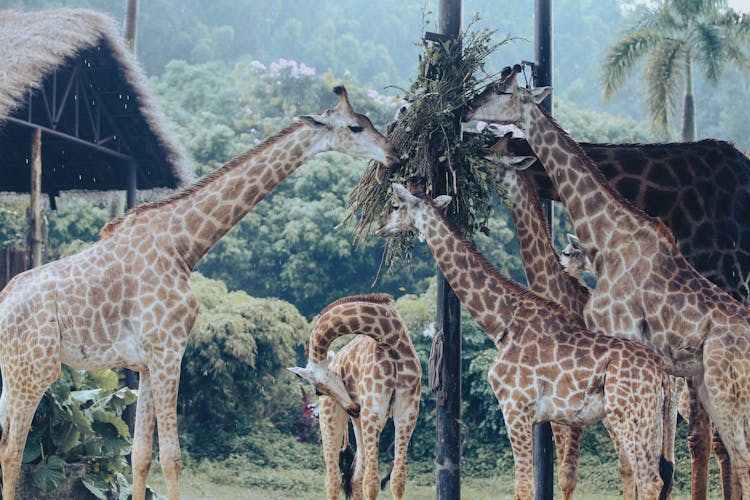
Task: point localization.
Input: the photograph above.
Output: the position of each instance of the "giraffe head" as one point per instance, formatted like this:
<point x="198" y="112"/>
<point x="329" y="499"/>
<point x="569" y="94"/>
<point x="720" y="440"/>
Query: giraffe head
<point x="573" y="258"/>
<point x="346" y="131"/>
<point x="408" y="212"/>
<point x="505" y="102"/>
<point x="507" y="164"/>
<point x="328" y="383"/>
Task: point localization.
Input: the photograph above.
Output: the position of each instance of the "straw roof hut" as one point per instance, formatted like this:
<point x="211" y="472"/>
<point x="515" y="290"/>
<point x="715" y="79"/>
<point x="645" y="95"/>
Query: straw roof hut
<point x="69" y="74"/>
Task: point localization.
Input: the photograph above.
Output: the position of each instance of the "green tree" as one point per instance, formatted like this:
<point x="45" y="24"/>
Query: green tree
<point x="234" y="368"/>
<point x="674" y="36"/>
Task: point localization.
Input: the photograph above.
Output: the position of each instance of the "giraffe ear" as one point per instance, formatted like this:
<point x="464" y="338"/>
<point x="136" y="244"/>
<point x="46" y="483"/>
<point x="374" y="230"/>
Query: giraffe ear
<point x="539" y="93"/>
<point x="300" y="372"/>
<point x="574" y="241"/>
<point x="442" y="201"/>
<point x="522" y="162"/>
<point x="402" y="193"/>
<point x="312" y="120"/>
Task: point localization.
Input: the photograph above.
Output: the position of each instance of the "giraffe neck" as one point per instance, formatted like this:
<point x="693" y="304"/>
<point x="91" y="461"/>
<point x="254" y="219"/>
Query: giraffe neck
<point x="544" y="273"/>
<point x="378" y="321"/>
<point x="490" y="298"/>
<point x="198" y="217"/>
<point x="591" y="203"/>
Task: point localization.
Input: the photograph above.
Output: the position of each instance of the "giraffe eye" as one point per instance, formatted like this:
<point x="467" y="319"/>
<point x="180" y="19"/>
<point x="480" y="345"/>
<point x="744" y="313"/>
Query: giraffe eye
<point x="566" y="254"/>
<point x="395" y="207"/>
<point x="356" y="129"/>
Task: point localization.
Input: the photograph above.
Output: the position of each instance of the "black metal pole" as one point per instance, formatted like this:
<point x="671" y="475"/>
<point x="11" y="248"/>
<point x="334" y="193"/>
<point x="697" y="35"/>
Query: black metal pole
<point x="543" y="455"/>
<point x="448" y="447"/>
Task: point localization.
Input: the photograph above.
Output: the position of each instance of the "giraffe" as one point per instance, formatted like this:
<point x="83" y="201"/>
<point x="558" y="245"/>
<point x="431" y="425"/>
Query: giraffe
<point x="645" y="286"/>
<point x="381" y="369"/>
<point x="700" y="190"/>
<point x="125" y="301"/>
<point x="575" y="262"/>
<point x="548" y="367"/>
<point x="547" y="277"/>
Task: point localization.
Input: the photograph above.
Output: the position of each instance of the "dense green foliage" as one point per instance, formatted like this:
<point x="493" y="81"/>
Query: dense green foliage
<point x="80" y="420"/>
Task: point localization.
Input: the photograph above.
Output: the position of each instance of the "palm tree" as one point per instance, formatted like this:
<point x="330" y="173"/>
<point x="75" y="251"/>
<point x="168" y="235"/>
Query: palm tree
<point x="674" y="36"/>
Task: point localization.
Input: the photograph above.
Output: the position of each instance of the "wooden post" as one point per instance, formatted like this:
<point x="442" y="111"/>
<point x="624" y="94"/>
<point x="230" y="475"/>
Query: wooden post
<point x="130" y="33"/>
<point x="543" y="451"/>
<point x="35" y="204"/>
<point x="448" y="408"/>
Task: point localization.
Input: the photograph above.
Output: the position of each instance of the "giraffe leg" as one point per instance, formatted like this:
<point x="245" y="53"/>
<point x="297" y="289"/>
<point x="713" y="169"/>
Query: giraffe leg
<point x="725" y="467"/>
<point x="624" y="465"/>
<point x="519" y="426"/>
<point x="333" y="424"/>
<point x="372" y="426"/>
<point x="18" y="403"/>
<point x="404" y="423"/>
<point x="359" y="461"/>
<point x="699" y="439"/>
<point x="145" y="418"/>
<point x="568" y="447"/>
<point x="164" y="397"/>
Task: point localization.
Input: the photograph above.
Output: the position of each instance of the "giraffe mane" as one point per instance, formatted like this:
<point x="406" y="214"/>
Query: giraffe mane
<point x="112" y="226"/>
<point x="658" y="225"/>
<point x="375" y="298"/>
<point x="507" y="283"/>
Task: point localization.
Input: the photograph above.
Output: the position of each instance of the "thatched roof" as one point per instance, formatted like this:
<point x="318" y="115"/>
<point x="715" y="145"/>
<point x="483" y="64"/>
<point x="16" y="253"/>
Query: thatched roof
<point x="39" y="52"/>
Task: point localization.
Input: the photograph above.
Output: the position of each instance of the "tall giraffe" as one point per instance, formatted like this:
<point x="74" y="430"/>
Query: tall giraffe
<point x="381" y="370"/>
<point x="700" y="190"/>
<point x="548" y="368"/>
<point x="126" y="302"/>
<point x="645" y="287"/>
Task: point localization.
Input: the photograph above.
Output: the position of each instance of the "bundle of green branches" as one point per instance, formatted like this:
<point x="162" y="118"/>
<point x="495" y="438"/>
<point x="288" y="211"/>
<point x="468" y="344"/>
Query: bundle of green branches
<point x="435" y="156"/>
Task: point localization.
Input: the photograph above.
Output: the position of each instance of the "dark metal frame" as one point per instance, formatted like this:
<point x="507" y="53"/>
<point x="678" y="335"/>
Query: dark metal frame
<point x="79" y="92"/>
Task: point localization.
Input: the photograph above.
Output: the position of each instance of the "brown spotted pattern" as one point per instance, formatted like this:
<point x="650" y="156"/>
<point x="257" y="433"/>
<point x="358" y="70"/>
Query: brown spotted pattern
<point x="126" y="302"/>
<point x="382" y="373"/>
<point x="645" y="287"/>
<point x="548" y="368"/>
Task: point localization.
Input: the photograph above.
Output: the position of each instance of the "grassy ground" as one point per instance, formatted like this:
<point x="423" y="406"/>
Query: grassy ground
<point x="223" y="482"/>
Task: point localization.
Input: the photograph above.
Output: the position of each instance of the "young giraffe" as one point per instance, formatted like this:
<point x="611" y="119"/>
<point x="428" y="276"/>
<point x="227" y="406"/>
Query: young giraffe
<point x="546" y="276"/>
<point x="645" y="287"/>
<point x="126" y="302"/>
<point x="548" y="367"/>
<point x="376" y="375"/>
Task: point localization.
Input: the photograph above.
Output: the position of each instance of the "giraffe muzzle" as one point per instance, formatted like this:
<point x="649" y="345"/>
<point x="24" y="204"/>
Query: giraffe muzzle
<point x="353" y="410"/>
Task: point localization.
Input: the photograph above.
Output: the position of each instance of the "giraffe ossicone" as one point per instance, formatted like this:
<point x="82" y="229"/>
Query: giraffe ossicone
<point x="126" y="300"/>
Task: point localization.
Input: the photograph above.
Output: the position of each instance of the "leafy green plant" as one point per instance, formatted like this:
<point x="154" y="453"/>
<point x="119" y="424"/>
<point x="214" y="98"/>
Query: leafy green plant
<point x="79" y="421"/>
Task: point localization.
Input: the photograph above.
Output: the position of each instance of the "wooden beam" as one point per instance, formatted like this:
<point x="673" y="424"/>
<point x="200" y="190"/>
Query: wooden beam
<point x="35" y="205"/>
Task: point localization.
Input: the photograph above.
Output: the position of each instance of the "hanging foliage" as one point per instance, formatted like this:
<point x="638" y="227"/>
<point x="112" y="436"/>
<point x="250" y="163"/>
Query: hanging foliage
<point x="427" y="133"/>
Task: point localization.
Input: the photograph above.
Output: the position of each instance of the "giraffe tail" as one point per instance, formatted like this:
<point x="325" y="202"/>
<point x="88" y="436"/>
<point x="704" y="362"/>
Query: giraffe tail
<point x="666" y="467"/>
<point x="391" y="456"/>
<point x="347" y="462"/>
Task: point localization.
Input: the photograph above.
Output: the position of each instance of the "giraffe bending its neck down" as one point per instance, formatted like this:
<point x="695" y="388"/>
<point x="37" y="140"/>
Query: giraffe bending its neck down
<point x="126" y="302"/>
<point x="549" y="368"/>
<point x="645" y="287"/>
<point x="547" y="277"/>
<point x="376" y="375"/>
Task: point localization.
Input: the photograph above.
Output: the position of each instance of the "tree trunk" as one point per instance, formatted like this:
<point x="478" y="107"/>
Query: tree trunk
<point x="688" y="106"/>
<point x="688" y="118"/>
